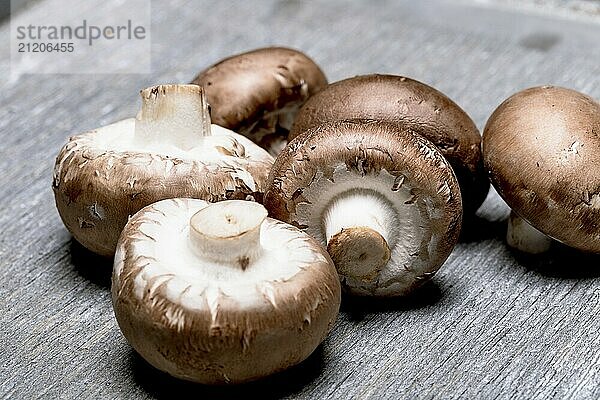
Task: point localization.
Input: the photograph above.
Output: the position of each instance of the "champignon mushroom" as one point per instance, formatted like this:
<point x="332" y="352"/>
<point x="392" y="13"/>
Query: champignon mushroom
<point x="421" y="108"/>
<point x="171" y="149"/>
<point x="258" y="93"/>
<point x="382" y="199"/>
<point x="541" y="148"/>
<point x="219" y="293"/>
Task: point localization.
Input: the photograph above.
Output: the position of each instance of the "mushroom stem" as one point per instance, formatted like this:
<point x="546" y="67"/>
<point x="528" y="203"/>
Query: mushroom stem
<point x="358" y="226"/>
<point x="228" y="232"/>
<point x="524" y="237"/>
<point x="175" y="114"/>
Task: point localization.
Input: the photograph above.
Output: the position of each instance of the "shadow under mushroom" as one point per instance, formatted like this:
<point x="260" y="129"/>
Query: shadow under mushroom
<point x="561" y="262"/>
<point x="282" y="384"/>
<point x="93" y="267"/>
<point x="357" y="307"/>
<point x="477" y="229"/>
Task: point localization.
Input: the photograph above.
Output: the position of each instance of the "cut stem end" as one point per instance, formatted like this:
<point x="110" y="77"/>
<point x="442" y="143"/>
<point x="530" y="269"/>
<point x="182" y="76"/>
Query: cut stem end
<point x="228" y="232"/>
<point x="360" y="228"/>
<point x="175" y="114"/>
<point x="359" y="252"/>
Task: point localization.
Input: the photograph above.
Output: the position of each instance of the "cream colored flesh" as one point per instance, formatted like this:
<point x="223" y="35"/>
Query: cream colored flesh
<point x="181" y="110"/>
<point x="120" y="138"/>
<point x="196" y="281"/>
<point x="384" y="203"/>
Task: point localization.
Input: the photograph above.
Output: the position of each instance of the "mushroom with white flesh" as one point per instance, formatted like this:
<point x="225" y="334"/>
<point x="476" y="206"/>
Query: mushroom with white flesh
<point x="218" y="293"/>
<point x="407" y="102"/>
<point x="258" y="93"/>
<point x="383" y="200"/>
<point x="170" y="150"/>
<point x="541" y="148"/>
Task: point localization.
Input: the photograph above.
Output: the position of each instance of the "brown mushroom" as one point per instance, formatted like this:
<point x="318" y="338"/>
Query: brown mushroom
<point x="258" y="93"/>
<point x="541" y="148"/>
<point x="382" y="199"/>
<point x="170" y="150"/>
<point x="404" y="101"/>
<point x="220" y="294"/>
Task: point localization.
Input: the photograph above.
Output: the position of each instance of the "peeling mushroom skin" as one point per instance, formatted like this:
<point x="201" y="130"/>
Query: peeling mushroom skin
<point x="541" y="148"/>
<point x="423" y="109"/>
<point x="382" y="199"/>
<point x="258" y="93"/>
<point x="218" y="294"/>
<point x="104" y="176"/>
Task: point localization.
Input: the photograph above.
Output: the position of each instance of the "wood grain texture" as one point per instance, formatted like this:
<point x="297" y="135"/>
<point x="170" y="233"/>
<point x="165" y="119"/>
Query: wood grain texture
<point x="491" y="324"/>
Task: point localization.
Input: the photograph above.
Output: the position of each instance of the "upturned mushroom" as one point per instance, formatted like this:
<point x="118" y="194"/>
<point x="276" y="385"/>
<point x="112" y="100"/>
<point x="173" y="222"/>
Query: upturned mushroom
<point x="170" y="150"/>
<point x="383" y="200"/>
<point x="407" y="102"/>
<point x="219" y="293"/>
<point x="541" y="148"/>
<point x="258" y="93"/>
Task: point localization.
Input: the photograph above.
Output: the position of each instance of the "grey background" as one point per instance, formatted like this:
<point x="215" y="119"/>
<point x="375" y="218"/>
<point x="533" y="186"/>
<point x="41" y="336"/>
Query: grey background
<point x="491" y="324"/>
<point x="8" y="6"/>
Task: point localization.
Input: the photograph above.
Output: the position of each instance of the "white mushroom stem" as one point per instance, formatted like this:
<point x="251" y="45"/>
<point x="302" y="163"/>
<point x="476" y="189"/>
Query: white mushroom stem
<point x="524" y="237"/>
<point x="359" y="230"/>
<point x="174" y="114"/>
<point x="228" y="233"/>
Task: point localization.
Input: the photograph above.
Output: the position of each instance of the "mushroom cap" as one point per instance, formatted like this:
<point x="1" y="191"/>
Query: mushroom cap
<point x="541" y="148"/>
<point x="393" y="165"/>
<point x="208" y="322"/>
<point x="104" y="176"/>
<point x="259" y="92"/>
<point x="407" y="102"/>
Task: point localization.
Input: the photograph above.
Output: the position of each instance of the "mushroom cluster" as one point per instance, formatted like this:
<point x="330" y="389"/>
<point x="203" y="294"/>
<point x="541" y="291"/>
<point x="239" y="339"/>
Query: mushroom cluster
<point x="372" y="172"/>
<point x="409" y="104"/>
<point x="372" y="178"/>
<point x="208" y="292"/>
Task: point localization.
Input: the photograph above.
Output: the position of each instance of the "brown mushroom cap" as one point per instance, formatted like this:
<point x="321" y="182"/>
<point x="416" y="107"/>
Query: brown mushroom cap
<point x="421" y="108"/>
<point x="197" y="317"/>
<point x="104" y="176"/>
<point x="259" y="92"/>
<point x="385" y="167"/>
<point x="541" y="148"/>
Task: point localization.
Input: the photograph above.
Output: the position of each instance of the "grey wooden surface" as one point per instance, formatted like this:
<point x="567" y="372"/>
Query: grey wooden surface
<point x="491" y="324"/>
